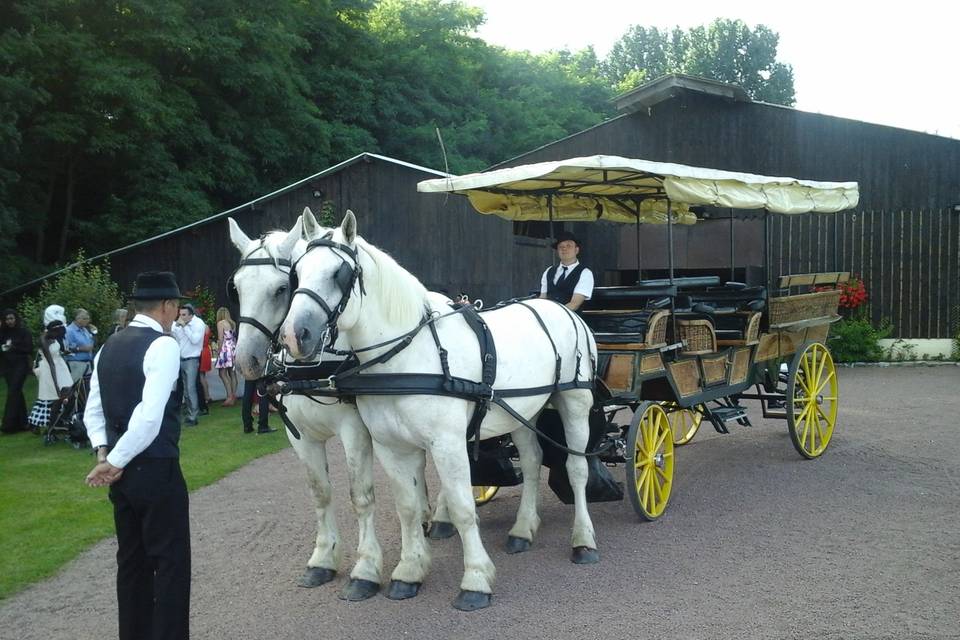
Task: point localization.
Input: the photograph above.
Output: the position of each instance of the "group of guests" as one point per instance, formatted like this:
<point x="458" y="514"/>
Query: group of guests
<point x="66" y="354"/>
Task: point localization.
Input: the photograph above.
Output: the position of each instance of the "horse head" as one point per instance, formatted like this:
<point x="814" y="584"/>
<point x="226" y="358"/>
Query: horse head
<point x="261" y="288"/>
<point x="328" y="276"/>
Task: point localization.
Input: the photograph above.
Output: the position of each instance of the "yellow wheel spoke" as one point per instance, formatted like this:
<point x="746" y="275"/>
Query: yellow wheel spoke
<point x="660" y="441"/>
<point x="825" y="382"/>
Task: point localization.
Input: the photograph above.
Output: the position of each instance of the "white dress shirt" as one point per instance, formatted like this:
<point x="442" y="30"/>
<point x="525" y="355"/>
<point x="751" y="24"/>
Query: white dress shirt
<point x="190" y="337"/>
<point x="584" y="284"/>
<point x="161" y="369"/>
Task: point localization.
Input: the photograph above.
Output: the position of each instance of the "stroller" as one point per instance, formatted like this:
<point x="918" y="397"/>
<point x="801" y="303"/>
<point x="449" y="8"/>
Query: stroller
<point x="66" y="416"/>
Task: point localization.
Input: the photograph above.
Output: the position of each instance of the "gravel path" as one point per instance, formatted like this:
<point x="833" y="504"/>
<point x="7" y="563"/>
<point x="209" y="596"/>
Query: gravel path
<point x="756" y="543"/>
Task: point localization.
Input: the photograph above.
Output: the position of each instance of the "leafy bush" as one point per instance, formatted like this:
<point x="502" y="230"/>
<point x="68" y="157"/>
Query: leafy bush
<point x="856" y="340"/>
<point x="84" y="285"/>
<point x="204" y="303"/>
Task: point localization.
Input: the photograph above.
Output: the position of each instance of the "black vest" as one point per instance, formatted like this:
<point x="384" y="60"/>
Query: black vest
<point x="562" y="292"/>
<point x="120" y="374"/>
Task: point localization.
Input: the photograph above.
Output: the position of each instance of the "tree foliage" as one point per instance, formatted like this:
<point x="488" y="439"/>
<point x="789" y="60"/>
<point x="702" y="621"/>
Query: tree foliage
<point x="725" y="50"/>
<point x="122" y="120"/>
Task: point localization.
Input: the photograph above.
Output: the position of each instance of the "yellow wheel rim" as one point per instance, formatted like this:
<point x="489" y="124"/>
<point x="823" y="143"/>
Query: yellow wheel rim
<point x="812" y="395"/>
<point x="650" y="468"/>
<point x="684" y="423"/>
<point x="482" y="494"/>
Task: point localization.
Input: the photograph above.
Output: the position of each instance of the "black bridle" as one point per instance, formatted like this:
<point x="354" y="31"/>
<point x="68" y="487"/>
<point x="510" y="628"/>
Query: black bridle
<point x="234" y="296"/>
<point x="346" y="278"/>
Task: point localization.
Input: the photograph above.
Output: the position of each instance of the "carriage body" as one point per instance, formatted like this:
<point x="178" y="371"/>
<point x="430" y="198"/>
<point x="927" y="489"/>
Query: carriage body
<point x="678" y="351"/>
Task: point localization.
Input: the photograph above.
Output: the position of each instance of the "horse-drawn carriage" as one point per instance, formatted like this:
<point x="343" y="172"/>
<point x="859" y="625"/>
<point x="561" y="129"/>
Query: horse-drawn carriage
<point x="676" y="351"/>
<point x="529" y="378"/>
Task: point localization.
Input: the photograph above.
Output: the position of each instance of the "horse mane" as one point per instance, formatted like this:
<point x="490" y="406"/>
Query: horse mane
<point x="270" y="242"/>
<point x="403" y="296"/>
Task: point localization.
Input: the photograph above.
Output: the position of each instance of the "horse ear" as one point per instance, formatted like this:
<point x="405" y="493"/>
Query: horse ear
<point x="286" y="247"/>
<point x="311" y="228"/>
<point x="349" y="227"/>
<point x="237" y="236"/>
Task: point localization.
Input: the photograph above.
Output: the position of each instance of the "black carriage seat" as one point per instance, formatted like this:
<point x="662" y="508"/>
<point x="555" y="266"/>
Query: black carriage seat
<point x="632" y="317"/>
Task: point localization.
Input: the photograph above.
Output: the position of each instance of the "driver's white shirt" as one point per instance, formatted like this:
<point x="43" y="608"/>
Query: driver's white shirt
<point x="584" y="284"/>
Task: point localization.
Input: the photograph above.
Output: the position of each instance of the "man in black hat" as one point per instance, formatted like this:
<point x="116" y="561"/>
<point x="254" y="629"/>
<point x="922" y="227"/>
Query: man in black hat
<point x="570" y="282"/>
<point x="133" y="421"/>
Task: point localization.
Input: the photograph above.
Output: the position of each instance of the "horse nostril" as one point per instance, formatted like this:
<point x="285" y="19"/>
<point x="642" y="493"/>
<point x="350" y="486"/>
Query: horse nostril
<point x="303" y="335"/>
<point x="254" y="362"/>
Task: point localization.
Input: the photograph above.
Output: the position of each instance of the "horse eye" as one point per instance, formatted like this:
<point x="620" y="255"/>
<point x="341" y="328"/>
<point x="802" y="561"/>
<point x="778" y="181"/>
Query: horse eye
<point x="280" y="291"/>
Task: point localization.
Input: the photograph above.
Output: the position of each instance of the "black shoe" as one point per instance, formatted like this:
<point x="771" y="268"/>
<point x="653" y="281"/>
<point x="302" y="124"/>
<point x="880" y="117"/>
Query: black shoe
<point x="204" y="412"/>
<point x="266" y="430"/>
<point x="190" y="423"/>
<point x="248" y="429"/>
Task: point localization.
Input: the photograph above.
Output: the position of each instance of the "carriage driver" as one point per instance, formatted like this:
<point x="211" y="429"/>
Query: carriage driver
<point x="569" y="283"/>
<point x="133" y="421"/>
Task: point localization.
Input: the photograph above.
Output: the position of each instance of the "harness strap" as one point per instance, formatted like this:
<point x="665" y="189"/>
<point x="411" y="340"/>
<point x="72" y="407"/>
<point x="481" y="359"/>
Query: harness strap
<point x="556" y="354"/>
<point x="259" y="326"/>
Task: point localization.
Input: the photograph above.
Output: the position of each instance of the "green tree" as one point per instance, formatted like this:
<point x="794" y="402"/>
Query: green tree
<point x="725" y="50"/>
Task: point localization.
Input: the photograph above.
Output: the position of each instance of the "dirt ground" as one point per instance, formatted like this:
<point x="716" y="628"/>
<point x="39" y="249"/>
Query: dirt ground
<point x="756" y="543"/>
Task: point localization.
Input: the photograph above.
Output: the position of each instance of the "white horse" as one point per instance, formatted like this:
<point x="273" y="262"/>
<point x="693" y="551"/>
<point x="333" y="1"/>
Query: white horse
<point x="385" y="302"/>
<point x="262" y="284"/>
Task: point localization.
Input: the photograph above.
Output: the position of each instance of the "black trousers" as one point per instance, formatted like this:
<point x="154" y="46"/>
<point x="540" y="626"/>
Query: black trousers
<point x="15" y="410"/>
<point x="151" y="513"/>
<point x="246" y="407"/>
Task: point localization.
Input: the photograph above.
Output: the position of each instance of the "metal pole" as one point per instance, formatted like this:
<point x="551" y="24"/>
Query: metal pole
<point x="836" y="248"/>
<point x="732" y="256"/>
<point x="670" y="238"/>
<point x="639" y="274"/>
<point x="766" y="249"/>
<point x="550" y="213"/>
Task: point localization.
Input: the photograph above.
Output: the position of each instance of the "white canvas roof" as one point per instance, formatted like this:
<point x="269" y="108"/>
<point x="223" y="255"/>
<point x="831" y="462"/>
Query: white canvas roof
<point x="611" y="188"/>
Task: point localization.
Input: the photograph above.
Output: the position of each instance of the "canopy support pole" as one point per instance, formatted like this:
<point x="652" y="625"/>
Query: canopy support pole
<point x="766" y="250"/>
<point x="670" y="239"/>
<point x="732" y="253"/>
<point x="639" y="273"/>
<point x="553" y="236"/>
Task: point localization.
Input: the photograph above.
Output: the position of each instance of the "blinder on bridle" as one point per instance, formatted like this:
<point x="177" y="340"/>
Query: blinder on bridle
<point x="234" y="296"/>
<point x="345" y="278"/>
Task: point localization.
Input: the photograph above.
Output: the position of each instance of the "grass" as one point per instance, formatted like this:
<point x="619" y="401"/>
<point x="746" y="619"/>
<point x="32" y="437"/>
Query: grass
<point x="48" y="515"/>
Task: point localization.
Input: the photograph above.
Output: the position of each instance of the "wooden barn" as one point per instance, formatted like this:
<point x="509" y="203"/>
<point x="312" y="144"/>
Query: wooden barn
<point x="903" y="239"/>
<point x="441" y="241"/>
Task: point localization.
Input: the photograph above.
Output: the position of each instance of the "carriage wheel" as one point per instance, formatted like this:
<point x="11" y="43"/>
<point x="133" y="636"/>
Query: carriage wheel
<point x="684" y="423"/>
<point x="482" y="494"/>
<point x="812" y="394"/>
<point x="650" y="461"/>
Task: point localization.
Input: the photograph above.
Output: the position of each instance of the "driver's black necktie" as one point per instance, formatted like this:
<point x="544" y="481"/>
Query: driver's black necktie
<point x="563" y="274"/>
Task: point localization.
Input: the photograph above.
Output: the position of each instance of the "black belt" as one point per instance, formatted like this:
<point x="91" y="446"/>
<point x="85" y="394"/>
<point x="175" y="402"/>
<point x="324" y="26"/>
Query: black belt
<point x="193" y="358"/>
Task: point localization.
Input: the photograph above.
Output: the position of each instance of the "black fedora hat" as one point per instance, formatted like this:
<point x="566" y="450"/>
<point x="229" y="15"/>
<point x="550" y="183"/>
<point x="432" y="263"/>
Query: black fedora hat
<point x="156" y="285"/>
<point x="563" y="236"/>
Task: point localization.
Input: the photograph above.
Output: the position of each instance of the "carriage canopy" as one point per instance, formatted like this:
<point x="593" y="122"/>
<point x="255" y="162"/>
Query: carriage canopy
<point x="627" y="190"/>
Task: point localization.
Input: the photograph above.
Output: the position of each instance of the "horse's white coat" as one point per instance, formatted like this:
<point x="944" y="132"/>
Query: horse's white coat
<point x="404" y="427"/>
<point x="264" y="293"/>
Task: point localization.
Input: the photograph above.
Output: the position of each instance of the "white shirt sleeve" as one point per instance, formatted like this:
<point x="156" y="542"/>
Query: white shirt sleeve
<point x="161" y="368"/>
<point x="543" y="281"/>
<point x="93" y="418"/>
<point x="585" y="284"/>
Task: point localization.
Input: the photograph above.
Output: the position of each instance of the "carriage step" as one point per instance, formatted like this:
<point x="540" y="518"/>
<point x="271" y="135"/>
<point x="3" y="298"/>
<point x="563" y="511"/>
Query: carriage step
<point x="726" y="414"/>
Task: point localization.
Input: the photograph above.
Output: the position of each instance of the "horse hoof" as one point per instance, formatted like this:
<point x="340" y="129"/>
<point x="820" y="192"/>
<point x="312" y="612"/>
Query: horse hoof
<point x="472" y="600"/>
<point x="400" y="590"/>
<point x="316" y="576"/>
<point x="441" y="530"/>
<point x="585" y="555"/>
<point x="358" y="589"/>
<point x="518" y="545"/>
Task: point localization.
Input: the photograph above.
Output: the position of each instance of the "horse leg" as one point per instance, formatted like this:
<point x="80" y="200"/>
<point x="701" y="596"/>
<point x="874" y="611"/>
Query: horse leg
<point x="476" y="587"/>
<point x="528" y="518"/>
<point x="365" y="577"/>
<point x="441" y="526"/>
<point x="322" y="566"/>
<point x="574" y="410"/>
<point x="405" y="470"/>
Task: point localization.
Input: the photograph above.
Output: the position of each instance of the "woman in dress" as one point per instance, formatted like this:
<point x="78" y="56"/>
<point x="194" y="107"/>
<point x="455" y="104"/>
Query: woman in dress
<point x="227" y="339"/>
<point x="51" y="368"/>
<point x="206" y="365"/>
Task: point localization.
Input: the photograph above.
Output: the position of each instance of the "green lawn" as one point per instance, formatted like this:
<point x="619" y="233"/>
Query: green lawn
<point x="48" y="515"/>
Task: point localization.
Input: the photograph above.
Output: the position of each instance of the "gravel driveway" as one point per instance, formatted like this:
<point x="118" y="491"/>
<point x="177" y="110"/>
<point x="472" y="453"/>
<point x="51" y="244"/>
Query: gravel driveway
<point x="756" y="543"/>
